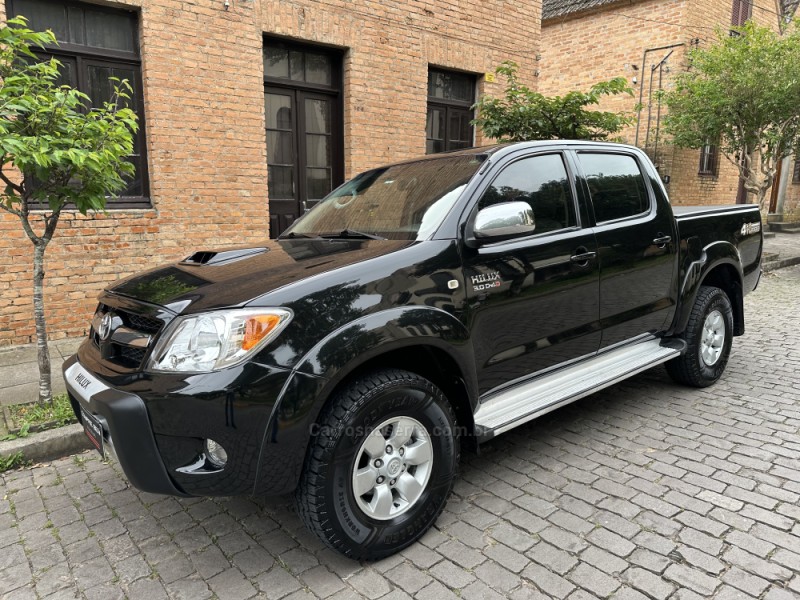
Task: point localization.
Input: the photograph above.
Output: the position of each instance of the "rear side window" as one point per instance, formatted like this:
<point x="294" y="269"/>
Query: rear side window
<point x="542" y="182"/>
<point x="616" y="186"/>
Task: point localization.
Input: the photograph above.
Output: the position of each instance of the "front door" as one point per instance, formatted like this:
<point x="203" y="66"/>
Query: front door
<point x="532" y="302"/>
<point x="304" y="129"/>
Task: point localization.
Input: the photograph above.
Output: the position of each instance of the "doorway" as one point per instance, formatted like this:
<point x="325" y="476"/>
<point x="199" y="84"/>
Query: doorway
<point x="302" y="99"/>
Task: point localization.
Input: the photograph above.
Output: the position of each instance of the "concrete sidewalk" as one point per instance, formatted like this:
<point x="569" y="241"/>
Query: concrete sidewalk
<point x="19" y="373"/>
<point x="780" y="250"/>
<point x="19" y="370"/>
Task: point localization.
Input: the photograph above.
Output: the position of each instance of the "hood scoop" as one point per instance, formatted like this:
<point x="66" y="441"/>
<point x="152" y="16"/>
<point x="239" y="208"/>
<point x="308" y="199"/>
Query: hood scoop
<point x="211" y="258"/>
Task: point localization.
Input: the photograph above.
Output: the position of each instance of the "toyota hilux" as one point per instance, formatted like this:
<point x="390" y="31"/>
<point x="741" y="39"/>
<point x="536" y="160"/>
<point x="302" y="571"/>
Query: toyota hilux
<point x="418" y="308"/>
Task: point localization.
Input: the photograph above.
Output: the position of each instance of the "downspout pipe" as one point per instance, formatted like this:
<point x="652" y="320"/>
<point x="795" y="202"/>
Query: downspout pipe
<point x="660" y="87"/>
<point x="641" y="86"/>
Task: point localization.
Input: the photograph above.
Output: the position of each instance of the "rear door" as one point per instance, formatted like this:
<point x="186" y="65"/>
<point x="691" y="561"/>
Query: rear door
<point x="532" y="301"/>
<point x="636" y="245"/>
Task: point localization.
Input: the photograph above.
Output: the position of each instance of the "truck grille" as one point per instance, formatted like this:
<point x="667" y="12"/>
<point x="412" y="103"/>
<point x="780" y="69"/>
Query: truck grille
<point x="140" y="322"/>
<point x="130" y="356"/>
<point x="116" y="351"/>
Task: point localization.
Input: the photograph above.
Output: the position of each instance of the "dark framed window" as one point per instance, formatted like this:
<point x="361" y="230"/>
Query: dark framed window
<point x="304" y="123"/>
<point x="796" y="170"/>
<point x="96" y="43"/>
<point x="742" y="10"/>
<point x="542" y="182"/>
<point x="451" y="95"/>
<point x="709" y="160"/>
<point x="616" y="185"/>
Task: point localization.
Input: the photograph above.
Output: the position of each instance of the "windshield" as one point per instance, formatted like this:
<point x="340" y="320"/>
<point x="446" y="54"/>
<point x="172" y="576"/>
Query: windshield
<point x="401" y="202"/>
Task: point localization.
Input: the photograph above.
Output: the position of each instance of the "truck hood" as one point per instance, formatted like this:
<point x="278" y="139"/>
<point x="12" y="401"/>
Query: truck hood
<point x="211" y="279"/>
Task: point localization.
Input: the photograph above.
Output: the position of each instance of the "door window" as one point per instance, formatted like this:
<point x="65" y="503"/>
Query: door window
<point x="280" y="144"/>
<point x="317" y="134"/>
<point x="303" y="122"/>
<point x="540" y="181"/>
<point x="616" y="185"/>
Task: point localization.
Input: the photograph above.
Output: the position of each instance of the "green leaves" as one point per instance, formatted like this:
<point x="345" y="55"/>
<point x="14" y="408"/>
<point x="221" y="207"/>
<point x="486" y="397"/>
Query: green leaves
<point x="744" y="92"/>
<point x="522" y="114"/>
<point x="66" y="150"/>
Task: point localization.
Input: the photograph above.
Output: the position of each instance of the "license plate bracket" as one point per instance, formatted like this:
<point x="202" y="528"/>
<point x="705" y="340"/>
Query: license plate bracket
<point x="93" y="430"/>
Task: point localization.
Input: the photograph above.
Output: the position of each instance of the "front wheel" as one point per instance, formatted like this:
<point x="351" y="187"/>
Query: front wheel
<point x="708" y="335"/>
<point x="380" y="466"/>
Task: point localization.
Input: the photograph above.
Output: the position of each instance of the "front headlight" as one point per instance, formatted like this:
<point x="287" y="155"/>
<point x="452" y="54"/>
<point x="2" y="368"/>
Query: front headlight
<point x="211" y="341"/>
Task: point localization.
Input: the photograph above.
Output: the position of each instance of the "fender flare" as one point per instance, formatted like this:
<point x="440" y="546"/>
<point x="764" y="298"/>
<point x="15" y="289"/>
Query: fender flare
<point x="703" y="262"/>
<point x="356" y="343"/>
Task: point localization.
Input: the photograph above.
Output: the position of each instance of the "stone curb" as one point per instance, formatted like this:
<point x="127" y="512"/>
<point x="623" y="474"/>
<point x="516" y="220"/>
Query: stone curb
<point x="780" y="264"/>
<point x="48" y="445"/>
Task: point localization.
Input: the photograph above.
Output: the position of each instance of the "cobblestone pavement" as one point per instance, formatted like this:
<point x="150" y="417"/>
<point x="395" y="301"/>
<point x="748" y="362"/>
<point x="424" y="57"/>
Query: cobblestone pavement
<point x="646" y="490"/>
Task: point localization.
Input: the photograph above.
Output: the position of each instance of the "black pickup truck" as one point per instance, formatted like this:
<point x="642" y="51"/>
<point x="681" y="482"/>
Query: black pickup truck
<point x="420" y="307"/>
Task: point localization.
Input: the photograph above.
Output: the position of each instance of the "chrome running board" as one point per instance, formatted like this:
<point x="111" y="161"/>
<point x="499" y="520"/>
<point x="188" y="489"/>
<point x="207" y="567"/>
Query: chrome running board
<point x="529" y="400"/>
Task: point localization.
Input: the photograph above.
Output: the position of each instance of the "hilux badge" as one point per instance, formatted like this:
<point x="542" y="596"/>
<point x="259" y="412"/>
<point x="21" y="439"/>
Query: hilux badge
<point x="105" y="326"/>
<point x="486" y="281"/>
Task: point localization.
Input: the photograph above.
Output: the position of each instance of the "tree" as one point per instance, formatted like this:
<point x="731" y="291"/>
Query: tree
<point x="741" y="93"/>
<point x="55" y="149"/>
<point x="522" y="114"/>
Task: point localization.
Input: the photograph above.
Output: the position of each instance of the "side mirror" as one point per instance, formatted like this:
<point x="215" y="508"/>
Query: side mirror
<point x="508" y="219"/>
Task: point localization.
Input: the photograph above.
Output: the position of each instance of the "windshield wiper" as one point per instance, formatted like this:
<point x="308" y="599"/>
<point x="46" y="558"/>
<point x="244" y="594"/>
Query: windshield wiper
<point x="292" y="235"/>
<point x="352" y="234"/>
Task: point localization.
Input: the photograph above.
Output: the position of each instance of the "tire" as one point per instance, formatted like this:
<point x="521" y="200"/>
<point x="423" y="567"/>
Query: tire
<point x="349" y="469"/>
<point x="707" y="353"/>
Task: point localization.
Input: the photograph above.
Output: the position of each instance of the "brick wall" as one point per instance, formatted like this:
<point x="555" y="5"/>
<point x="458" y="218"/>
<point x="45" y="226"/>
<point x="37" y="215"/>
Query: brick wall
<point x="583" y="48"/>
<point x="204" y="103"/>
<point x="627" y="39"/>
<point x="390" y="46"/>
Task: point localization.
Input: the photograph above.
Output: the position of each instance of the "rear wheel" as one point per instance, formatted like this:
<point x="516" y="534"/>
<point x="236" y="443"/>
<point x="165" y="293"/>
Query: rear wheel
<point x="708" y="335"/>
<point x="380" y="466"/>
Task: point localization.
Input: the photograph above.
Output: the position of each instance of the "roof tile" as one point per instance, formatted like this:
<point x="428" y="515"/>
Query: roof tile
<point x="560" y="8"/>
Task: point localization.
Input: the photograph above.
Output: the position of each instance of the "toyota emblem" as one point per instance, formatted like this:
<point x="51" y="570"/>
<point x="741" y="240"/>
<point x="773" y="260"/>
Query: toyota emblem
<point x="105" y="326"/>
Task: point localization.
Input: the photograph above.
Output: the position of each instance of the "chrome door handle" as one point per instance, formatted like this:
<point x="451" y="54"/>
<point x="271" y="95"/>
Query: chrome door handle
<point x="662" y="241"/>
<point x="583" y="257"/>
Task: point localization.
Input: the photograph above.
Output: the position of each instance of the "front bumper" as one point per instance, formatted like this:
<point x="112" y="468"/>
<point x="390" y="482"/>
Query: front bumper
<point x="126" y="428"/>
<point x="156" y="425"/>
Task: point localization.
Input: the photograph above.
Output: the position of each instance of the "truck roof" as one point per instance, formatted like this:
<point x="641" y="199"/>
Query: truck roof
<point x="484" y="152"/>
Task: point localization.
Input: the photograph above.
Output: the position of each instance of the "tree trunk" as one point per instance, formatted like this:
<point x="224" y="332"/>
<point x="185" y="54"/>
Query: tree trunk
<point x="761" y="196"/>
<point x="43" y="353"/>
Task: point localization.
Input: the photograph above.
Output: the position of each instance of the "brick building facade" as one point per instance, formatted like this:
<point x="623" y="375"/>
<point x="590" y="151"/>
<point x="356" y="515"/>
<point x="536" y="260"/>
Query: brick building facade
<point x="586" y="41"/>
<point x="237" y="95"/>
